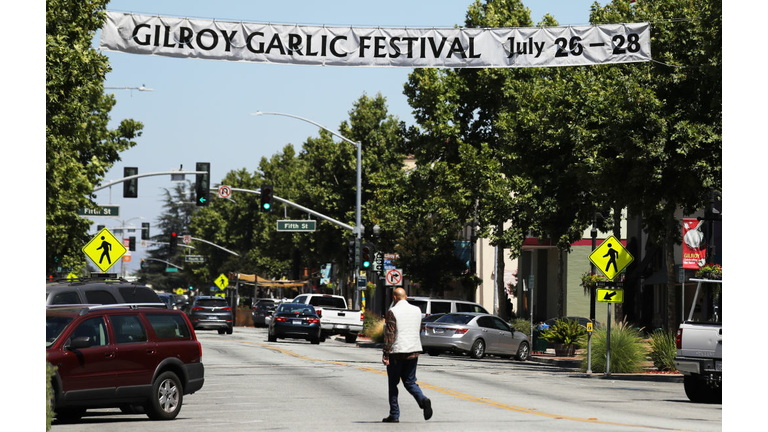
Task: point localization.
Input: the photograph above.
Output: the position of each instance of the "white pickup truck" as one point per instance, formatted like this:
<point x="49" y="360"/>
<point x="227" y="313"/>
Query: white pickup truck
<point x="700" y="344"/>
<point x="335" y="318"/>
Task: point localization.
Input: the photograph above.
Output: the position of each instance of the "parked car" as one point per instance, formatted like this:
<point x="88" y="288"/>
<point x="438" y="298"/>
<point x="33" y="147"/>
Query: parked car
<point x="431" y="318"/>
<point x="262" y="311"/>
<point x="475" y="333"/>
<point x="211" y="313"/>
<point x="98" y="291"/>
<point x="335" y="316"/>
<point x="431" y="306"/>
<point x="168" y="299"/>
<point x="295" y="321"/>
<point x="138" y="359"/>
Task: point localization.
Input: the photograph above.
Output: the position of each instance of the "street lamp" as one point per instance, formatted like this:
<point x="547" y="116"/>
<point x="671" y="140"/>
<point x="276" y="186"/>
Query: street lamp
<point x="142" y="88"/>
<point x="358" y="230"/>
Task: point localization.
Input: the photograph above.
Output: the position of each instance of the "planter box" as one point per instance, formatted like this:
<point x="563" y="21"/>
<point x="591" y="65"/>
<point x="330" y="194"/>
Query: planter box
<point x="563" y="350"/>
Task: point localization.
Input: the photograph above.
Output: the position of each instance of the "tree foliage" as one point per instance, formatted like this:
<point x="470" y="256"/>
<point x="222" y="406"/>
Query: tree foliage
<point x="80" y="148"/>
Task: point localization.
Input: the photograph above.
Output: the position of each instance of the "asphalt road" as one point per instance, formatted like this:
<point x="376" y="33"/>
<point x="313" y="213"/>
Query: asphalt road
<point x="252" y="384"/>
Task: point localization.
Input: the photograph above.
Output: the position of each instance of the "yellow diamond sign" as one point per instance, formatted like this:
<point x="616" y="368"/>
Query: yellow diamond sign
<point x="222" y="281"/>
<point x="104" y="250"/>
<point x="611" y="258"/>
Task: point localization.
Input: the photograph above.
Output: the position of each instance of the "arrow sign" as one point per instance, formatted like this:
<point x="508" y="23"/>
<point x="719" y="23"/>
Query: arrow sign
<point x="203" y="200"/>
<point x="610" y="295"/>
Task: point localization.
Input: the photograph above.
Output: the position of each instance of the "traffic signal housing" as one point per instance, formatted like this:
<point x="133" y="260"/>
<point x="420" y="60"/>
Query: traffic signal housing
<point x="172" y="240"/>
<point x="366" y="256"/>
<point x="145" y="230"/>
<point x="202" y="183"/>
<point x="266" y="198"/>
<point x="351" y="252"/>
<point x="130" y="187"/>
<point x="132" y="243"/>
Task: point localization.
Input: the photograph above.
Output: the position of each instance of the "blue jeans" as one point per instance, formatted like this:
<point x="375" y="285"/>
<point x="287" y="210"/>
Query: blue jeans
<point x="405" y="370"/>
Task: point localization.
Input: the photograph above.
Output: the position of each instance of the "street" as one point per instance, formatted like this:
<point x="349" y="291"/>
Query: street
<point x="252" y="384"/>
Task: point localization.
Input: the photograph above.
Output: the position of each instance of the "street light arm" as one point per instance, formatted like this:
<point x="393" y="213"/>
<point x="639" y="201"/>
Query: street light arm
<point x="258" y="113"/>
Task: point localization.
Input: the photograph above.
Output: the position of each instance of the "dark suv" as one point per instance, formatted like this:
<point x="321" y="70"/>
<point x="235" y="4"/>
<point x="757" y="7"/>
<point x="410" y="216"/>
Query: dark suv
<point x="98" y="291"/>
<point x="207" y="312"/>
<point x="139" y="359"/>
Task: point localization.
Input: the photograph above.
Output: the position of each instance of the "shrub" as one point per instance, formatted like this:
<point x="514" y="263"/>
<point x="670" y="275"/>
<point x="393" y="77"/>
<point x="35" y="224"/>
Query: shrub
<point x="663" y="350"/>
<point x="522" y="325"/>
<point x="49" y="372"/>
<point x="373" y="327"/>
<point x="564" y="331"/>
<point x="627" y="349"/>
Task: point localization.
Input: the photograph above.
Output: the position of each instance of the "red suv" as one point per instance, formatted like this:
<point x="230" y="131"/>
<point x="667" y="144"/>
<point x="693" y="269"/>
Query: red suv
<point x="139" y="359"/>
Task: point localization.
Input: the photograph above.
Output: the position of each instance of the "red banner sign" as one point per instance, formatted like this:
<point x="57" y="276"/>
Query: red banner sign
<point x="694" y="248"/>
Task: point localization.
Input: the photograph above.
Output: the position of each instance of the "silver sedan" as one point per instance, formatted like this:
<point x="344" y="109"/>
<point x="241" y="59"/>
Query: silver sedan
<point x="475" y="333"/>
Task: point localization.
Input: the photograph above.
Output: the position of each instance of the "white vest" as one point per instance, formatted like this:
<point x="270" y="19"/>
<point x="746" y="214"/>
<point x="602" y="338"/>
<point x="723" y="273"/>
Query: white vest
<point x="407" y="337"/>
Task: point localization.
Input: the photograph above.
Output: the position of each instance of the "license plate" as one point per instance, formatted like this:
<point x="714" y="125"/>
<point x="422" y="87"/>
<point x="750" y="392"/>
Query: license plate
<point x="439" y="331"/>
<point x="719" y="366"/>
<point x="342" y="327"/>
<point x="296" y="322"/>
<point x="213" y="317"/>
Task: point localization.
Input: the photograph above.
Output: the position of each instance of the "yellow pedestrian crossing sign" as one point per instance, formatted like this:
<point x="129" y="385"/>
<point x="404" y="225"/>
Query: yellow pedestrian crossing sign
<point x="104" y="250"/>
<point x="611" y="258"/>
<point x="222" y="281"/>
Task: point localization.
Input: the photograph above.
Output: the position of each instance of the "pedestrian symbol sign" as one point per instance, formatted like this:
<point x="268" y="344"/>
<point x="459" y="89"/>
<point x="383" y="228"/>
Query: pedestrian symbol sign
<point x="611" y="258"/>
<point x="222" y="281"/>
<point x="104" y="250"/>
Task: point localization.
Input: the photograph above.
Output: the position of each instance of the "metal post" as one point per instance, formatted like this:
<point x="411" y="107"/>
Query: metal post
<point x="608" y="345"/>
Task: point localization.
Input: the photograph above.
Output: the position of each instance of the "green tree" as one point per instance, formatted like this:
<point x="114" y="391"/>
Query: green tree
<point x="80" y="148"/>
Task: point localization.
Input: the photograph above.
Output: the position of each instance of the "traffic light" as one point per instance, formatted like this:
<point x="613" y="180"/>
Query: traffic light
<point x="173" y="238"/>
<point x="145" y="230"/>
<point x="130" y="187"/>
<point x="351" y="253"/>
<point x="143" y="263"/>
<point x="266" y="198"/>
<point x="132" y="243"/>
<point x="366" y="256"/>
<point x="202" y="183"/>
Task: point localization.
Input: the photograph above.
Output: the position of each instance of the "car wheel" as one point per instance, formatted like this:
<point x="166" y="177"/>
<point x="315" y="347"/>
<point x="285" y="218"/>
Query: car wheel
<point x="523" y="351"/>
<point x="271" y="337"/>
<point x="433" y="352"/>
<point x="478" y="349"/>
<point x="222" y="331"/>
<point x="166" y="398"/>
<point x="230" y="330"/>
<point x="350" y="338"/>
<point x="315" y="340"/>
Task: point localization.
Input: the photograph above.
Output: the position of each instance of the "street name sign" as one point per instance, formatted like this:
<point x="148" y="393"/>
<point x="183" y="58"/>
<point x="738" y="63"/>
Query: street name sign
<point x="194" y="258"/>
<point x="110" y="210"/>
<point x="104" y="250"/>
<point x="611" y="258"/>
<point x="610" y="295"/>
<point x="222" y="281"/>
<point x="296" y="225"/>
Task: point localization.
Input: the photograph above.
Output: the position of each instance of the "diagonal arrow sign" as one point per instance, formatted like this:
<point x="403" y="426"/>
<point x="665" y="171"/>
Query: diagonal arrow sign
<point x="609" y="296"/>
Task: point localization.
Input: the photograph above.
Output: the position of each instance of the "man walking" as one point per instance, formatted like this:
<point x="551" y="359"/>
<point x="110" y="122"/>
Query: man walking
<point x="402" y="345"/>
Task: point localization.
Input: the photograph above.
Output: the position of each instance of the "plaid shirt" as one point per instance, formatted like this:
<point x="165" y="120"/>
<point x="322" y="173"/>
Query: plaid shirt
<point x="390" y="331"/>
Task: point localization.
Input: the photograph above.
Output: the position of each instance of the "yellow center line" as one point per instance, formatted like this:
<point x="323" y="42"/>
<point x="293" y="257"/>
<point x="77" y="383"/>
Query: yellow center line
<point x="465" y="396"/>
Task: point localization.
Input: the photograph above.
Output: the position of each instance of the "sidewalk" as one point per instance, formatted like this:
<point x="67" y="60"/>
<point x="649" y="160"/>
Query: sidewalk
<point x="572" y="364"/>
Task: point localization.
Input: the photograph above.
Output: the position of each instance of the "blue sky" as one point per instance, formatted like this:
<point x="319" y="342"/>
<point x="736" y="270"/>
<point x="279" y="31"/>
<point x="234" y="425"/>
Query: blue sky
<point x="200" y="110"/>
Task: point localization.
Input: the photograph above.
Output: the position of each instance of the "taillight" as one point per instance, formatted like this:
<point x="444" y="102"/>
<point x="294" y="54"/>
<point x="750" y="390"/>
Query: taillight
<point x="461" y="330"/>
<point x="319" y="313"/>
<point x="279" y="319"/>
<point x="313" y="320"/>
<point x="362" y="316"/>
<point x="679" y="340"/>
<point x="197" y="308"/>
<point x="228" y="309"/>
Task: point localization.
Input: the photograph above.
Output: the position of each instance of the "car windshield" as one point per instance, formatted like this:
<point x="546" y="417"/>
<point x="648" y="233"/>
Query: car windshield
<point x="54" y="325"/>
<point x="455" y="319"/>
<point x="294" y="307"/>
<point x="213" y="302"/>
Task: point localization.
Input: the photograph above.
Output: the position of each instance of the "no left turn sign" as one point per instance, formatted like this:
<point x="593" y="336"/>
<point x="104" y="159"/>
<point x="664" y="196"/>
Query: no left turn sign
<point x="225" y="191"/>
<point x="394" y="277"/>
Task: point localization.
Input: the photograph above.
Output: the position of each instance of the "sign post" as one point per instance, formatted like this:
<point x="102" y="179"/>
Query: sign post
<point x="610" y="258"/>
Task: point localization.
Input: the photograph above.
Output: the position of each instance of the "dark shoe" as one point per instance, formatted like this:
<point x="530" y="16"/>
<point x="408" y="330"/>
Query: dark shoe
<point x="427" y="407"/>
<point x="391" y="419"/>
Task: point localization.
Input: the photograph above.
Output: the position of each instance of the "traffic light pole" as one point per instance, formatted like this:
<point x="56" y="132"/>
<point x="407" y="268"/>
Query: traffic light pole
<point x="114" y="182"/>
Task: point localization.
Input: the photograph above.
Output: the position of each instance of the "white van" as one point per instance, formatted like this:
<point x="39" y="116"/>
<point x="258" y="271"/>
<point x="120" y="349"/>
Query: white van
<point x="431" y="306"/>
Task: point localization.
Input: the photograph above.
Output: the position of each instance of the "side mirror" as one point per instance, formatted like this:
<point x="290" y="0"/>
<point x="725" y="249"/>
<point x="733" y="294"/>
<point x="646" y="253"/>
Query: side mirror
<point x="80" y="342"/>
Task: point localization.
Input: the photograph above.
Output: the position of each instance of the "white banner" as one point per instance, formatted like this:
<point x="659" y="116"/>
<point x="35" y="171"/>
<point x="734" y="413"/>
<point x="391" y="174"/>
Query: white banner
<point x="376" y="47"/>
